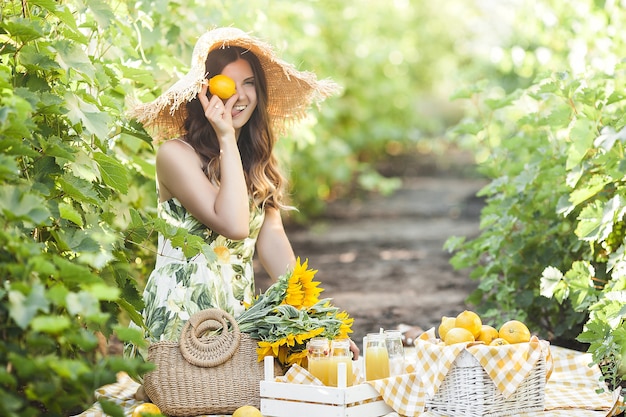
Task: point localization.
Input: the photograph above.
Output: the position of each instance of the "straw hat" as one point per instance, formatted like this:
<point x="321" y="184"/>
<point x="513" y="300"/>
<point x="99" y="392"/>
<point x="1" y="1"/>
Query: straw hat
<point x="290" y="92"/>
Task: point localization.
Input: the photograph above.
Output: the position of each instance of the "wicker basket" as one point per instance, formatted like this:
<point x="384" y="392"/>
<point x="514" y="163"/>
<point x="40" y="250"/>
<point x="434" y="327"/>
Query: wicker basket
<point x="205" y="375"/>
<point x="467" y="391"/>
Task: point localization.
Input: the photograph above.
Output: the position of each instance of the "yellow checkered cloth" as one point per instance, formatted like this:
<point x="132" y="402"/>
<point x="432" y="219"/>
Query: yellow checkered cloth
<point x="507" y="366"/>
<point x="571" y="391"/>
<point x="298" y="375"/>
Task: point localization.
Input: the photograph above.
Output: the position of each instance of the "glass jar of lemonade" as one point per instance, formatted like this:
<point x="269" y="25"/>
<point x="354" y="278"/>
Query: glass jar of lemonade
<point x="376" y="357"/>
<point x="318" y="358"/>
<point x="395" y="351"/>
<point x="340" y="353"/>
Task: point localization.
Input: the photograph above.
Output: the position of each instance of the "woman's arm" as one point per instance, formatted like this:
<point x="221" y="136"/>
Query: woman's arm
<point x="273" y="246"/>
<point x="224" y="209"/>
<point x="276" y="254"/>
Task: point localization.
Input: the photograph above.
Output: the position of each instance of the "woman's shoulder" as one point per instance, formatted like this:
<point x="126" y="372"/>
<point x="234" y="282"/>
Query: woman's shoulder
<point x="176" y="150"/>
<point x="175" y="145"/>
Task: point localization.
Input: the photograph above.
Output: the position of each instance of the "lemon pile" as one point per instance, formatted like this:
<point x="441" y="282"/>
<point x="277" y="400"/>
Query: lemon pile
<point x="468" y="327"/>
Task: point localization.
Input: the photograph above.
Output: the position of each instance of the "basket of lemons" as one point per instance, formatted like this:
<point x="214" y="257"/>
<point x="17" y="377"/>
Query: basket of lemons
<point x="476" y="370"/>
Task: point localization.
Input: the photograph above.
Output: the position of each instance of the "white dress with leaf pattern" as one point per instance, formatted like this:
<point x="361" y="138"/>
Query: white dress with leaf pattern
<point x="180" y="286"/>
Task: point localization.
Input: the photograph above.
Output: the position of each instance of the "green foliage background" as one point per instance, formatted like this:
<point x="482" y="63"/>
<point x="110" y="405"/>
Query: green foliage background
<point x="77" y="202"/>
<point x="548" y="131"/>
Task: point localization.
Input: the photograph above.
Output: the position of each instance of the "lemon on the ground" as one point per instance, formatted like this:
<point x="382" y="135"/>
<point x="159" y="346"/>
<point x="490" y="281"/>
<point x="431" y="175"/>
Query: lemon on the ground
<point x="469" y="321"/>
<point x="222" y="86"/>
<point x="514" y="331"/>
<point x="145" y="410"/>
<point x="487" y="334"/>
<point x="498" y="341"/>
<point x="458" y="335"/>
<point x="247" y="411"/>
<point x="446" y="324"/>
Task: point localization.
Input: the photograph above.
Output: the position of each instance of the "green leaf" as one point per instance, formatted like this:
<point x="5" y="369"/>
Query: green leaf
<point x="8" y="168"/>
<point x="589" y="222"/>
<point x="582" y="135"/>
<point x="70" y="369"/>
<point x="579" y="280"/>
<point x="102" y="12"/>
<point x="129" y="334"/>
<point x="25" y="307"/>
<point x="469" y="91"/>
<point x="50" y="324"/>
<point x="94" y="120"/>
<point x="104" y="292"/>
<point x="132" y="312"/>
<point x="75" y="273"/>
<point x="114" y="174"/>
<point x="109" y="408"/>
<point x="595" y="184"/>
<point x="79" y="240"/>
<point x="82" y="303"/>
<point x="71" y="57"/>
<point x="55" y="148"/>
<point x="59" y="10"/>
<point x="17" y="203"/>
<point x="24" y="30"/>
<point x="68" y="212"/>
<point x="34" y="60"/>
<point x="79" y="189"/>
<point x="505" y="101"/>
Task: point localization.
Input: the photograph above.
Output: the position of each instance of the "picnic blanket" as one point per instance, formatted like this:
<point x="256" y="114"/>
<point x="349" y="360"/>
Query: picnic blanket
<point x="572" y="390"/>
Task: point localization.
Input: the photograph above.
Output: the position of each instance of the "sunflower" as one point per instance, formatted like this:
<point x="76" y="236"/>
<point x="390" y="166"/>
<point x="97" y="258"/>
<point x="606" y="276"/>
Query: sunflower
<point x="346" y="324"/>
<point x="289" y="314"/>
<point x="302" y="291"/>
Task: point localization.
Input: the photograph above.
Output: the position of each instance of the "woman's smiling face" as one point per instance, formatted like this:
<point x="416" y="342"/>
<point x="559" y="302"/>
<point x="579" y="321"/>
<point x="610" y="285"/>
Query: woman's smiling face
<point x="241" y="72"/>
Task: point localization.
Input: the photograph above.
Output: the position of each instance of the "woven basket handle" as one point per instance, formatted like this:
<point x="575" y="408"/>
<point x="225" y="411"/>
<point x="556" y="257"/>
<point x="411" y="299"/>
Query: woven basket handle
<point x="210" y="351"/>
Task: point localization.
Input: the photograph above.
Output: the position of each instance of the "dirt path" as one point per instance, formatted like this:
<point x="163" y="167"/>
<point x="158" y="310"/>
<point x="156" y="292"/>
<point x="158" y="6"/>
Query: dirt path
<point x="382" y="259"/>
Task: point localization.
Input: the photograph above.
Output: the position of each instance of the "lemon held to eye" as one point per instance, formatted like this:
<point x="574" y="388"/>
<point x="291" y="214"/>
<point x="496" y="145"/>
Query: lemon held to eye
<point x="222" y="86"/>
<point x="145" y="410"/>
<point x="247" y="411"/>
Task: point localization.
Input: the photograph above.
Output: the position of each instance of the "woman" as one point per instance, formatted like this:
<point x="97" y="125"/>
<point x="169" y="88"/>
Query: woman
<point x="219" y="179"/>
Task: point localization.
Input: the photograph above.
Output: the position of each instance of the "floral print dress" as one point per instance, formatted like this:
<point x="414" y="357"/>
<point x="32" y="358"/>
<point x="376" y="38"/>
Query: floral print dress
<point x="179" y="286"/>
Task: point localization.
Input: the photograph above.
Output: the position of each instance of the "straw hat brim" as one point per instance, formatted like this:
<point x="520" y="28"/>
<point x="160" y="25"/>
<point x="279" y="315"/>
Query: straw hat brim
<point x="290" y="92"/>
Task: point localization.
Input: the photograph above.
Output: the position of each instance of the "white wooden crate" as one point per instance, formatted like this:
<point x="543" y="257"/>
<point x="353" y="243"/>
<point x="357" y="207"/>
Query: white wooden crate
<point x="280" y="399"/>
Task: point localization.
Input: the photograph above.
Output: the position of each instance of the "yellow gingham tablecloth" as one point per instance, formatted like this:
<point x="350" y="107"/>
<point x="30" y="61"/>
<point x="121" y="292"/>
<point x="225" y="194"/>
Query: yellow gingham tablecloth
<point x="571" y="391"/>
<point x="507" y="366"/>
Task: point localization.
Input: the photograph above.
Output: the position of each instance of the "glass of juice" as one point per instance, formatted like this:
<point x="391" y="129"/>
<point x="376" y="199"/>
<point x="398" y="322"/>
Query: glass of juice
<point x="376" y="357"/>
<point x="395" y="350"/>
<point x="340" y="353"/>
<point x="318" y="358"/>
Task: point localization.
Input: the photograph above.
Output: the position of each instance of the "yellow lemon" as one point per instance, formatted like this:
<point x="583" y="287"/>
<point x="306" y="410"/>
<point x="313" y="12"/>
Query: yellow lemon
<point x="446" y="324"/>
<point x="514" y="331"/>
<point x="487" y="334"/>
<point x="498" y="341"/>
<point x="247" y="411"/>
<point x="458" y="335"/>
<point x="222" y="86"/>
<point x="145" y="410"/>
<point x="469" y="321"/>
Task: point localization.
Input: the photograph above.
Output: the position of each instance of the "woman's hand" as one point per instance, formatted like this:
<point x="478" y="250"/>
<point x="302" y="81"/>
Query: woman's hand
<point x="355" y="350"/>
<point x="218" y="113"/>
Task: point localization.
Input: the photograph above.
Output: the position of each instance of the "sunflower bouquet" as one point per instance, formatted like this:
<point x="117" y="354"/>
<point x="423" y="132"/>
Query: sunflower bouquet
<point x="289" y="313"/>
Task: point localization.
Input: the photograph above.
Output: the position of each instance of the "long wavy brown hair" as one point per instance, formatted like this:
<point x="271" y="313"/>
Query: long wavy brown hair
<point x="256" y="140"/>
